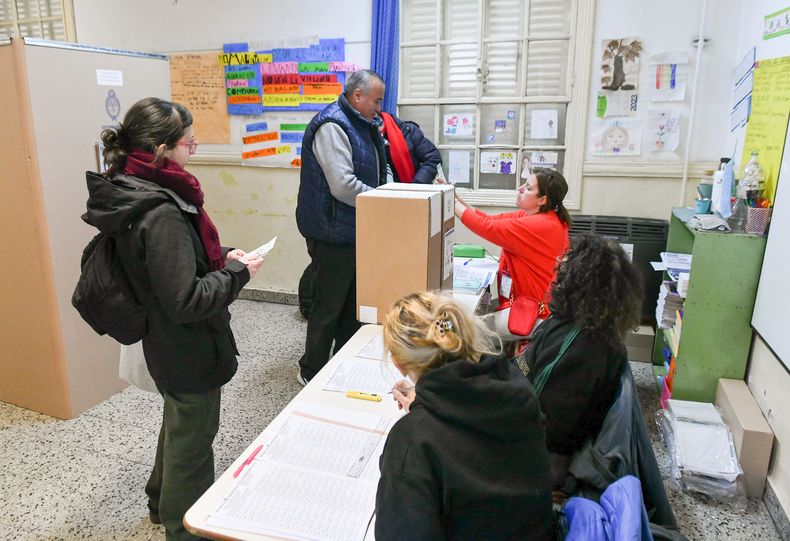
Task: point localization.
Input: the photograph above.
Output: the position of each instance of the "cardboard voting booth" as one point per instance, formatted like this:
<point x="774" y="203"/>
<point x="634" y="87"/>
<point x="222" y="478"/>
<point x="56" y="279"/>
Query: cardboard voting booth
<point x="399" y="248"/>
<point x="448" y="221"/>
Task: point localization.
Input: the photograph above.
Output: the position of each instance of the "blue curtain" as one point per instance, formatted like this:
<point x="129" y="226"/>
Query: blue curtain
<point x="384" y="48"/>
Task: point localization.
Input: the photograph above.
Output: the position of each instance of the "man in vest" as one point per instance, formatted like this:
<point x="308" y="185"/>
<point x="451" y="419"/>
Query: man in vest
<point x="411" y="157"/>
<point x="342" y="156"/>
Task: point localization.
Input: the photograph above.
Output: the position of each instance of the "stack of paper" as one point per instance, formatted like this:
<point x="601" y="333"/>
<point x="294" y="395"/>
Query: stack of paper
<point x="669" y="302"/>
<point x="683" y="284"/>
<point x="675" y="263"/>
<point x="317" y="478"/>
<point x="467" y="279"/>
<point x="698" y="412"/>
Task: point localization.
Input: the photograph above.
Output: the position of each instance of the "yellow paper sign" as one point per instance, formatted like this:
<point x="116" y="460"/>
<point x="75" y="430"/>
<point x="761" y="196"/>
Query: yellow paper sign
<point x="282" y="100"/>
<point x="235" y="59"/>
<point x="318" y="98"/>
<point x="765" y="132"/>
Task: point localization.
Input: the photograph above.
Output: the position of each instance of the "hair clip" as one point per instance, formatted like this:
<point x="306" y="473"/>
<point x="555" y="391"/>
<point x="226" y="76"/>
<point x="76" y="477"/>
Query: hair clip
<point x="443" y="325"/>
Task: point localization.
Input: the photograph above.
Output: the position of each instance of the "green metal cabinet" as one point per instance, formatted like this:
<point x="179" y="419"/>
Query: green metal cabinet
<point x="716" y="332"/>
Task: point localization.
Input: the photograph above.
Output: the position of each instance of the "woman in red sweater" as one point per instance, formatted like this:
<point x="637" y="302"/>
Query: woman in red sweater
<point x="532" y="238"/>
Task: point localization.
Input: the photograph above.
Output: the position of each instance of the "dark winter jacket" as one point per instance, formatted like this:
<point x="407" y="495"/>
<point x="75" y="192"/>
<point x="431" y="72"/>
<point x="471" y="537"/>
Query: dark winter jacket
<point x="424" y="154"/>
<point x="189" y="346"/>
<point x="469" y="461"/>
<point x="318" y="214"/>
<point x="581" y="387"/>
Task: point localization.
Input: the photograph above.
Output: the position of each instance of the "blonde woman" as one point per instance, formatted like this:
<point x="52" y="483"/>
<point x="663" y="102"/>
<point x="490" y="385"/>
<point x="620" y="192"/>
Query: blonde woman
<point x="469" y="460"/>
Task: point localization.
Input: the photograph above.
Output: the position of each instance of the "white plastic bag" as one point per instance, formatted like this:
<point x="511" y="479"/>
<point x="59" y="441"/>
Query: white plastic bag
<point x="132" y="368"/>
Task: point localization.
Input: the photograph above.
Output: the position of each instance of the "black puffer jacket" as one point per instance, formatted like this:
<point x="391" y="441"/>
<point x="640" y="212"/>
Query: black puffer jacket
<point x="189" y="346"/>
<point x="469" y="461"/>
<point x="424" y="154"/>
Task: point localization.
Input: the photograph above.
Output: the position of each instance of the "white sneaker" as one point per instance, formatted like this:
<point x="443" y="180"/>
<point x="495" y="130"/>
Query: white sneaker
<point x="300" y="379"/>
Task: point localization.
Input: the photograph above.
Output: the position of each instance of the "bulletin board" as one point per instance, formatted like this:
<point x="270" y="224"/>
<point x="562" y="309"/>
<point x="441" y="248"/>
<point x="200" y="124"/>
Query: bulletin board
<point x="255" y="99"/>
<point x="765" y="131"/>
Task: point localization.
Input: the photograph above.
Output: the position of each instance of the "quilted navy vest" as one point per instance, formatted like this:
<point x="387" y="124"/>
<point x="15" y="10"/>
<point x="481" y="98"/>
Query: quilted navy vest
<point x="318" y="214"/>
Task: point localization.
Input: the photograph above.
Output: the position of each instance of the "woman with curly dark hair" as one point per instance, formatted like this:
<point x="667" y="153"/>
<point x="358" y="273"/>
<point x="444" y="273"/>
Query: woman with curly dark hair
<point x="577" y="354"/>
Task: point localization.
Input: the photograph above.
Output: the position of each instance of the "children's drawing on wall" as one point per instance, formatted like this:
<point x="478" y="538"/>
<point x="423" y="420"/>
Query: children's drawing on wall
<point x="617" y="137"/>
<point x="617" y="104"/>
<point x="670" y="71"/>
<point x="620" y="63"/>
<point x="526" y="167"/>
<point x="663" y="130"/>
<point x="459" y="125"/>
<point x="545" y="159"/>
<point x="544" y="124"/>
<point x="496" y="163"/>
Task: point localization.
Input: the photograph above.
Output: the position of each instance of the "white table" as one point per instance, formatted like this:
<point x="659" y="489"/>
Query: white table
<point x="196" y="517"/>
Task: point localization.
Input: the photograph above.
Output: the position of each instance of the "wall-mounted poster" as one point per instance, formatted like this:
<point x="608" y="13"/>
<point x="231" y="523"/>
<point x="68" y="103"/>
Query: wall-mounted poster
<point x="459" y="125"/>
<point x="663" y="130"/>
<point x="285" y="78"/>
<point x="617" y="137"/>
<point x="497" y="163"/>
<point x="670" y="74"/>
<point x="620" y="63"/>
<point x="458" y="167"/>
<point x="274" y="140"/>
<point x="544" y="124"/>
<point x="198" y="82"/>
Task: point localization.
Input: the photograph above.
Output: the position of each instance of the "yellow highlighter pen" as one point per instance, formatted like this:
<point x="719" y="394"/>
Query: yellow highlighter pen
<point x="363" y="396"/>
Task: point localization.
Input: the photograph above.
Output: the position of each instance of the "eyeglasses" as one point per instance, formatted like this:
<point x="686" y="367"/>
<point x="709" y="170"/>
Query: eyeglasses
<point x="192" y="144"/>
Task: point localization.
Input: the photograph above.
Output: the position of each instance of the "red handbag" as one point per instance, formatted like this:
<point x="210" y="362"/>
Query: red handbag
<point x="522" y="313"/>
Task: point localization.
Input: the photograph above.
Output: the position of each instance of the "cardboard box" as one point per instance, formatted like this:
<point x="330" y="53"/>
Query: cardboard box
<point x="751" y="434"/>
<point x="399" y="248"/>
<point x="641" y="337"/>
<point x="448" y="221"/>
<point x="639" y="343"/>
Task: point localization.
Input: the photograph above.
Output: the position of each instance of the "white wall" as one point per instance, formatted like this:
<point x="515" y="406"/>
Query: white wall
<point x="193" y="25"/>
<point x="249" y="204"/>
<point x="767" y="378"/>
<point x="669" y="26"/>
<point x="649" y="185"/>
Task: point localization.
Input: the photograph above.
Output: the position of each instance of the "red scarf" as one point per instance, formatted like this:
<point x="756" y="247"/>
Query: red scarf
<point x="399" y="152"/>
<point x="173" y="177"/>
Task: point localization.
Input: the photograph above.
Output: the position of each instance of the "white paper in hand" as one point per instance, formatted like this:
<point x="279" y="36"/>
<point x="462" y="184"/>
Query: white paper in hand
<point x="261" y="251"/>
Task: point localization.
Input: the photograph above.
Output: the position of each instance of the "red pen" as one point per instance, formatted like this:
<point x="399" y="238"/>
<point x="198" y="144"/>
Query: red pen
<point x="248" y="461"/>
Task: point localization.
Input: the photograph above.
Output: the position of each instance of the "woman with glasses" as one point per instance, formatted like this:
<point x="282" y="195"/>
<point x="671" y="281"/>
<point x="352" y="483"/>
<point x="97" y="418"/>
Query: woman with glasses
<point x="576" y="356"/>
<point x="531" y="238"/>
<point x="171" y="254"/>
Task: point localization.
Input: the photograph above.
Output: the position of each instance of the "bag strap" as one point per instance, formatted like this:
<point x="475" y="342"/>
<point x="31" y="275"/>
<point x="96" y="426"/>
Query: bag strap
<point x="543" y="377"/>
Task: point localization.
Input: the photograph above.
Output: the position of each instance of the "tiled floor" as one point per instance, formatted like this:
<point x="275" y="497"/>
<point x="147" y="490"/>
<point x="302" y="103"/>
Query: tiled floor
<point x="84" y="478"/>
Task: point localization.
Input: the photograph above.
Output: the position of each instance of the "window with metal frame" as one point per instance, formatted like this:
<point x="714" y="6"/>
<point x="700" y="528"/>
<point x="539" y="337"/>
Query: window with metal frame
<point x="477" y="74"/>
<point x="47" y="19"/>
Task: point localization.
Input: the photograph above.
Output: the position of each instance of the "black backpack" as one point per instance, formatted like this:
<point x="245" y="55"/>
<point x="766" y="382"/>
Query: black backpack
<point x="103" y="296"/>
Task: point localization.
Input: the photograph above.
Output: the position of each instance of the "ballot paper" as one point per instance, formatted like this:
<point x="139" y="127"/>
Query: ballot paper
<point x="261" y="251"/>
<point x="317" y="478"/>
<point x="366" y="375"/>
<point x="374" y="349"/>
